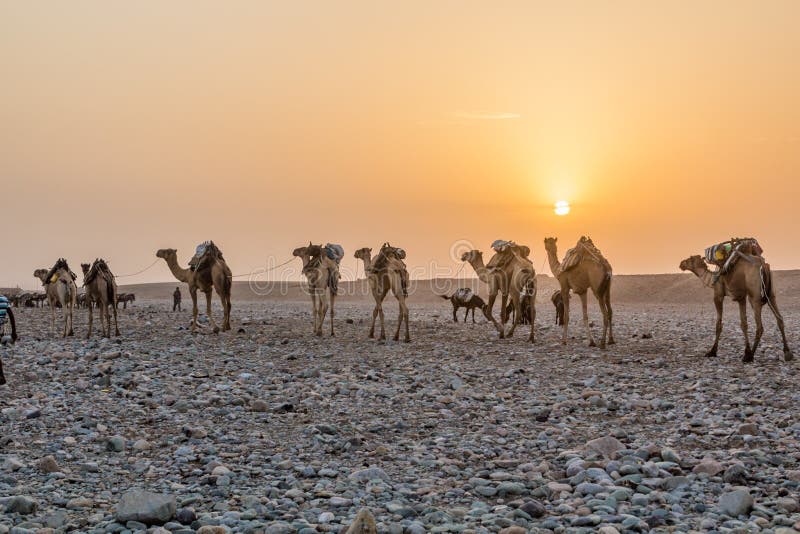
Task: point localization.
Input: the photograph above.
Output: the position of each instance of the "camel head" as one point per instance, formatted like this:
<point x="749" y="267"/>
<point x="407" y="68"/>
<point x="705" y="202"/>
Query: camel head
<point x="550" y="244"/>
<point x="299" y="252"/>
<point x="472" y="255"/>
<point x="363" y="253"/>
<point x="85" y="267"/>
<point x="40" y="273"/>
<point x="167" y="253"/>
<point x="694" y="264"/>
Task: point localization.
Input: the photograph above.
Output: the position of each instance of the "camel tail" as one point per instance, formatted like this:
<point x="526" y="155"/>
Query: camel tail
<point x="605" y="286"/>
<point x="445" y="297"/>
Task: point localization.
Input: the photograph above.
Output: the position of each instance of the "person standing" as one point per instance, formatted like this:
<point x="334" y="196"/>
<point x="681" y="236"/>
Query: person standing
<point x="176" y="299"/>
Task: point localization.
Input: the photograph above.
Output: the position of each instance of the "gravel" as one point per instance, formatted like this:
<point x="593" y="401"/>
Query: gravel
<point x="274" y="430"/>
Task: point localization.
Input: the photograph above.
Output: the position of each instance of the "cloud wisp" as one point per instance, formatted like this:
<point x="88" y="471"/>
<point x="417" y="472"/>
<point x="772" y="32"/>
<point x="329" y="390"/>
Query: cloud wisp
<point x="486" y="115"/>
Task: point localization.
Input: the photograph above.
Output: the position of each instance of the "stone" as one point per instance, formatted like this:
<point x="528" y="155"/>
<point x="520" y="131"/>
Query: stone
<point x="748" y="429"/>
<point x="709" y="466"/>
<point x="608" y="446"/>
<point x="146" y="507"/>
<point x="736" y="503"/>
<point x="47" y="464"/>
<point x="371" y="473"/>
<point x="787" y="504"/>
<point x="533" y="508"/>
<point x="22" y="505"/>
<point x="735" y="474"/>
<point x="115" y="444"/>
<point x="364" y="523"/>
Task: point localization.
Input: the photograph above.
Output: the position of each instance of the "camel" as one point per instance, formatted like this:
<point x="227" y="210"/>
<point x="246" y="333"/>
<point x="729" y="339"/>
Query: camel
<point x="522" y="286"/>
<point x="749" y="279"/>
<point x="496" y="280"/>
<point x="211" y="273"/>
<point x="558" y="303"/>
<point x="101" y="288"/>
<point x="387" y="272"/>
<point x="497" y="274"/>
<point x="322" y="274"/>
<point x="592" y="272"/>
<point x="465" y="298"/>
<point x="125" y="298"/>
<point x="59" y="284"/>
<point x="6" y="335"/>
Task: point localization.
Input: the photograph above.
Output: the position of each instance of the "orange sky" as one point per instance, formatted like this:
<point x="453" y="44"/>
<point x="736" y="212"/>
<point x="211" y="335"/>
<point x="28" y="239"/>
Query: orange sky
<point x="126" y="127"/>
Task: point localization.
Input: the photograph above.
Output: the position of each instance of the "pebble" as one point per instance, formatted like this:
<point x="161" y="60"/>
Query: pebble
<point x="274" y="430"/>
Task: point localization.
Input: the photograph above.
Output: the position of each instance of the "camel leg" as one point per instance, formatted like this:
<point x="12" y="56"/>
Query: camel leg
<point x="718" y="304"/>
<point x="193" y="293"/>
<point x="758" y="308"/>
<point x="517" y="314"/>
<point x="585" y="308"/>
<point x="333" y="299"/>
<point x="532" y="317"/>
<point x="487" y="311"/>
<point x="610" y="314"/>
<point x="314" y="308"/>
<point x="455" y="317"/>
<point x="787" y="353"/>
<point x="91" y="319"/>
<point x="399" y="315"/>
<point x="52" y="318"/>
<point x="565" y="296"/>
<point x="116" y="323"/>
<point x="323" y="310"/>
<point x="604" y="314"/>
<point x="374" y="317"/>
<point x="503" y="309"/>
<point x="224" y="304"/>
<point x="473" y="316"/>
<point x="404" y="311"/>
<point x="208" y="312"/>
<point x="748" y="352"/>
<point x="466" y="313"/>
<point x="105" y="327"/>
<point x="382" y="337"/>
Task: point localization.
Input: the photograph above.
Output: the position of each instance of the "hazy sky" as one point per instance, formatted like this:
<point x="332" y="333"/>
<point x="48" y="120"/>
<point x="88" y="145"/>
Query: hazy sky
<point x="130" y="126"/>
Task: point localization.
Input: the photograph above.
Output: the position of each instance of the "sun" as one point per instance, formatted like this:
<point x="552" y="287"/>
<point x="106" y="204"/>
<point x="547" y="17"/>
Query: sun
<point x="562" y="207"/>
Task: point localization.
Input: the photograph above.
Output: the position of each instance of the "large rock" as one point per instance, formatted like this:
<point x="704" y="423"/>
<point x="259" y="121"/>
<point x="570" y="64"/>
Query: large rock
<point x="146" y="507"/>
<point x="608" y="446"/>
<point x="363" y="524"/>
<point x="709" y="466"/>
<point x="736" y="503"/>
<point x="371" y="473"/>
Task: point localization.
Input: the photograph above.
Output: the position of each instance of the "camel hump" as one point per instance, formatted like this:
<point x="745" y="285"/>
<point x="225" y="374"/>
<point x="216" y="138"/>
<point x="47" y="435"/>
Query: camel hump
<point x="363" y="524"/>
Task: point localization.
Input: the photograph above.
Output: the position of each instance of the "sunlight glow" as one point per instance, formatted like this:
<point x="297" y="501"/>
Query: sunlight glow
<point x="562" y="207"/>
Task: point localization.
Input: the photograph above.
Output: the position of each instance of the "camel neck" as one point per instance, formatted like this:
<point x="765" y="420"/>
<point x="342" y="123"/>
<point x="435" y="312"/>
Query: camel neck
<point x="707" y="277"/>
<point x="480" y="269"/>
<point x="555" y="265"/>
<point x="367" y="263"/>
<point x="177" y="271"/>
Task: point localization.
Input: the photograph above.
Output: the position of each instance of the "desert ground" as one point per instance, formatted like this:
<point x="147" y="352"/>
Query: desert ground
<point x="269" y="429"/>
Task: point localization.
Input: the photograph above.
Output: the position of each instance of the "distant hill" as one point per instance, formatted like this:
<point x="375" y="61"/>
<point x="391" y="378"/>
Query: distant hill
<point x="640" y="288"/>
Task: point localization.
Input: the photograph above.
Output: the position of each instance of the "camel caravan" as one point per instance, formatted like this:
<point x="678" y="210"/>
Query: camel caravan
<point x="741" y="273"/>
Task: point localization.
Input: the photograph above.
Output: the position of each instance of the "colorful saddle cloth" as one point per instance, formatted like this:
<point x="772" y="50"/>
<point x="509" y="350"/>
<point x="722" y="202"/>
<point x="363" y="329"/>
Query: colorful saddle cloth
<point x="463" y="294"/>
<point x="334" y="252"/>
<point x="4" y="306"/>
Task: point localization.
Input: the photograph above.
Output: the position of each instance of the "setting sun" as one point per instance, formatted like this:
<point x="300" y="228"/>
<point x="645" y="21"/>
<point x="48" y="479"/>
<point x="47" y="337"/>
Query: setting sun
<point x="562" y="207"/>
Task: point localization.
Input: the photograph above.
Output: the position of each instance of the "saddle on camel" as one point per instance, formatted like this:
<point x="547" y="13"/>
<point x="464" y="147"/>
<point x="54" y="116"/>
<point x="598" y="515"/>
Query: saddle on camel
<point x="725" y="255"/>
<point x="386" y="253"/>
<point x="330" y="250"/>
<point x="584" y="247"/>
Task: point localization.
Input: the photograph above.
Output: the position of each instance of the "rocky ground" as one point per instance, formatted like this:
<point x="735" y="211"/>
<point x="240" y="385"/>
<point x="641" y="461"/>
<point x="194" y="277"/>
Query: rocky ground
<point x="270" y="429"/>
